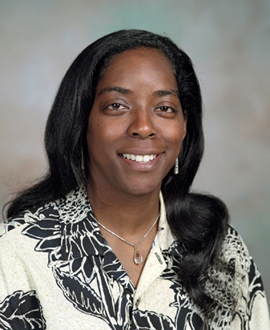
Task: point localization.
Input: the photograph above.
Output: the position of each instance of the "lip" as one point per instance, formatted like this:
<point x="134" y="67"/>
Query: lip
<point x="140" y="158"/>
<point x="137" y="166"/>
<point x="141" y="151"/>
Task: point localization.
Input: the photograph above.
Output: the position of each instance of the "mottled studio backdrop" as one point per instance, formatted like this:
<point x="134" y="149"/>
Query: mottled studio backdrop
<point x="229" y="42"/>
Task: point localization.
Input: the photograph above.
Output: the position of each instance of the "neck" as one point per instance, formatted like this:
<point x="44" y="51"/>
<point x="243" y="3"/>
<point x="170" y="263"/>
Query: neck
<point x="125" y="214"/>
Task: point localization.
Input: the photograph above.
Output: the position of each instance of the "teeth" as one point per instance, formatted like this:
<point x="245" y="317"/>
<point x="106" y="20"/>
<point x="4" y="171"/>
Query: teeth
<point x="140" y="158"/>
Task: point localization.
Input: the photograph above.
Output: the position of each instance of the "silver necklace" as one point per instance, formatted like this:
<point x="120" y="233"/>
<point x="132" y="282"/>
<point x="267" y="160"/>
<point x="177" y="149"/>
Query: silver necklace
<point x="137" y="258"/>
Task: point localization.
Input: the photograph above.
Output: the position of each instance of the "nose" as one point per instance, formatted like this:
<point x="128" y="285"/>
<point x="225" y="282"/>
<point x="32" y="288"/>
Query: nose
<point x="141" y="125"/>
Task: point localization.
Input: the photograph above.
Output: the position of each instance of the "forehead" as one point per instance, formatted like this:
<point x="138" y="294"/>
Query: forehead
<point x="141" y="53"/>
<point x="138" y="63"/>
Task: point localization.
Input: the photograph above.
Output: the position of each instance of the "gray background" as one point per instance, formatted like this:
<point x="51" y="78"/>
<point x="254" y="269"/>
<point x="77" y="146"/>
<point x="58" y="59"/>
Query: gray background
<point x="229" y="43"/>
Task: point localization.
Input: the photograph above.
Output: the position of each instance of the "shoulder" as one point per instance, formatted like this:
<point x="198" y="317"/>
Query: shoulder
<point x="247" y="282"/>
<point x="235" y="251"/>
<point x="69" y="209"/>
<point x="33" y="215"/>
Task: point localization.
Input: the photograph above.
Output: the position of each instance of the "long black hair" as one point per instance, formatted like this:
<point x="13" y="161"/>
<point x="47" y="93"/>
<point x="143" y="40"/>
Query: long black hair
<point x="198" y="221"/>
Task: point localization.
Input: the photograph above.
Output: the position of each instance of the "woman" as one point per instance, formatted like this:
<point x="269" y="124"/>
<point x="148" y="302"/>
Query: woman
<point x="112" y="237"/>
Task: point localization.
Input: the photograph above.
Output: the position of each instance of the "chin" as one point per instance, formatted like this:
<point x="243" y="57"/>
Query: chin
<point x="143" y="189"/>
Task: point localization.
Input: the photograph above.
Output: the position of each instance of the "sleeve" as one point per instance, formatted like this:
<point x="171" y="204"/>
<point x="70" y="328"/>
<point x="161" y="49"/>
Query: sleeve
<point x="257" y="303"/>
<point x="20" y="308"/>
<point x="252" y="310"/>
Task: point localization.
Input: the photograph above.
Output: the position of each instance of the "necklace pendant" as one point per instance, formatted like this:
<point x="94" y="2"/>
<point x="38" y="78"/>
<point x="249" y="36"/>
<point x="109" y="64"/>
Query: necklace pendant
<point x="137" y="256"/>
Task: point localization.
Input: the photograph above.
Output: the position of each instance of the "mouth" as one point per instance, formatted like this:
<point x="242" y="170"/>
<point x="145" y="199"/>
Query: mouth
<point x="142" y="159"/>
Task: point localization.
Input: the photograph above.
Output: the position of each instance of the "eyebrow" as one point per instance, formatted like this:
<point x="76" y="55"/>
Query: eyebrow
<point x="165" y="92"/>
<point x="126" y="91"/>
<point x="115" y="89"/>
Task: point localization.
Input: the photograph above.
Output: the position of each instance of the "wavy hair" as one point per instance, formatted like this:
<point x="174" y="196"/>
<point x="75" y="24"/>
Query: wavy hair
<point x="198" y="221"/>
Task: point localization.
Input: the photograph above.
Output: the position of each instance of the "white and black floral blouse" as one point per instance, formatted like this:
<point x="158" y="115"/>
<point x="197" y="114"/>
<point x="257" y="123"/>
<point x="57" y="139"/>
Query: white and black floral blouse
<point x="58" y="272"/>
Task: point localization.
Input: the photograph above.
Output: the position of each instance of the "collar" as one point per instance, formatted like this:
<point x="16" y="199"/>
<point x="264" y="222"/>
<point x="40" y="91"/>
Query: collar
<point x="168" y="244"/>
<point x="164" y="235"/>
<point x="69" y="223"/>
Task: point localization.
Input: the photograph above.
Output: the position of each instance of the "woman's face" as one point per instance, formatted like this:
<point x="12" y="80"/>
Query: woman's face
<point x="136" y="125"/>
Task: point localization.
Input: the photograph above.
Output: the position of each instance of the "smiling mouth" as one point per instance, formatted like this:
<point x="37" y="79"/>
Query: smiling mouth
<point x="142" y="159"/>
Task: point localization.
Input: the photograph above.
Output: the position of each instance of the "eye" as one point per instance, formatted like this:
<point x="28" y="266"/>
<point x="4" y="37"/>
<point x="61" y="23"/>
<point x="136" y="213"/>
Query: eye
<point x="165" y="108"/>
<point x="166" y="111"/>
<point x="115" y="106"/>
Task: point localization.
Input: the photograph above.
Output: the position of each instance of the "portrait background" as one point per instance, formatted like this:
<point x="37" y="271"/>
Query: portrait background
<point x="229" y="43"/>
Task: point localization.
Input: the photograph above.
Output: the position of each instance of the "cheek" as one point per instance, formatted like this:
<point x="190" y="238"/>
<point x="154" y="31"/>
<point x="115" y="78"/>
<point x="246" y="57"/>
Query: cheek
<point x="101" y="136"/>
<point x="93" y="137"/>
<point x="95" y="128"/>
<point x="175" y="135"/>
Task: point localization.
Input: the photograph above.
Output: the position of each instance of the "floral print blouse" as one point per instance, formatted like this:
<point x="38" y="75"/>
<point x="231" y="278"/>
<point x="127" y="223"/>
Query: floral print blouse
<point x="58" y="272"/>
